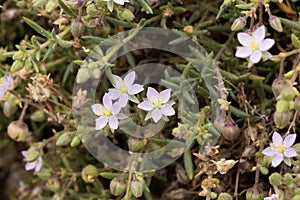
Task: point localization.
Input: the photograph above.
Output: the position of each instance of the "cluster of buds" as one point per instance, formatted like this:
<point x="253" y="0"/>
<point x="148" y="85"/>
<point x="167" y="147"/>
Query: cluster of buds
<point x="287" y="99"/>
<point x="40" y="89"/>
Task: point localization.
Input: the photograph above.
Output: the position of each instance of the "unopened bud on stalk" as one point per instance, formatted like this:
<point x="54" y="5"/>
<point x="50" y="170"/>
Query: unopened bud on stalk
<point x="275" y="23"/>
<point x="227" y="127"/>
<point x="17" y="130"/>
<point x="275" y="179"/>
<point x="117" y="186"/>
<point x="89" y="173"/>
<point x="137" y="187"/>
<point x="224" y="196"/>
<point x="277" y="85"/>
<point x="77" y="28"/>
<point x="282" y="119"/>
<point x="238" y="24"/>
<point x="288" y="93"/>
<point x="135" y="144"/>
<point x="254" y="193"/>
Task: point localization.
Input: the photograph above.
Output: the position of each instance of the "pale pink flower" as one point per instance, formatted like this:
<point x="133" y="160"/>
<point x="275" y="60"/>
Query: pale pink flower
<point x="36" y="165"/>
<point x="5" y="83"/>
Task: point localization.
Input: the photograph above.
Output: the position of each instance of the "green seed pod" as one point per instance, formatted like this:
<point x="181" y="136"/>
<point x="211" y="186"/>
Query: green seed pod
<point x="65" y="138"/>
<point x="264" y="170"/>
<point x="92" y="10"/>
<point x="83" y="75"/>
<point x="275" y="23"/>
<point x="34" y="152"/>
<point x="28" y="64"/>
<point x="18" y="56"/>
<point x="126" y="15"/>
<point x="282" y="106"/>
<point x="288" y="180"/>
<point x="254" y="193"/>
<point x="224" y="196"/>
<point x="96" y="73"/>
<point x="288" y="93"/>
<point x="89" y="173"/>
<point x="16" y="66"/>
<point x="277" y="85"/>
<point x="10" y="106"/>
<point x="38" y="116"/>
<point x="238" y="24"/>
<point x="17" y="130"/>
<point x="75" y="141"/>
<point x="227" y="127"/>
<point x="53" y="184"/>
<point x="135" y="144"/>
<point x="117" y="186"/>
<point x="275" y="179"/>
<point x="77" y="28"/>
<point x="137" y="187"/>
<point x="282" y="119"/>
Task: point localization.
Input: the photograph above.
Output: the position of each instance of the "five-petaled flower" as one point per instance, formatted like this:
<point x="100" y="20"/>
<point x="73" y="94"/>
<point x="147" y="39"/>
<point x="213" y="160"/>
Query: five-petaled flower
<point x="254" y="46"/>
<point x="107" y="113"/>
<point x="5" y="83"/>
<point x="273" y="197"/>
<point x="124" y="89"/>
<point x="281" y="150"/>
<point x="36" y="165"/>
<point x="157" y="104"/>
<point x="121" y="2"/>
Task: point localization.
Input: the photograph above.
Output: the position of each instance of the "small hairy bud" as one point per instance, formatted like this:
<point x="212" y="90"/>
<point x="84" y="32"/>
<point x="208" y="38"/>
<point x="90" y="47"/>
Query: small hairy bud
<point x="238" y="24"/>
<point x="288" y="93"/>
<point x="227" y="127"/>
<point x="137" y="187"/>
<point x="275" y="23"/>
<point x="135" y="144"/>
<point x="224" y="196"/>
<point x="282" y="119"/>
<point x="254" y="193"/>
<point x="117" y="186"/>
<point x="77" y="28"/>
<point x="275" y="179"/>
<point x="17" y="130"/>
<point x="277" y="85"/>
<point x="89" y="173"/>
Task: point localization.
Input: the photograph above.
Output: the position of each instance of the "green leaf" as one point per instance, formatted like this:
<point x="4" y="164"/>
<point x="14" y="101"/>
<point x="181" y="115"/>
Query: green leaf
<point x="64" y="43"/>
<point x="37" y="28"/>
<point x="146" y="6"/>
<point x="295" y="41"/>
<point x="110" y="175"/>
<point x="188" y="163"/>
<point x="66" y="9"/>
<point x="290" y="23"/>
<point x="121" y="23"/>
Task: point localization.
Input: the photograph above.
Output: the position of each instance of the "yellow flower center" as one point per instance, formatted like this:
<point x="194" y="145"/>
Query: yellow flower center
<point x="254" y="46"/>
<point x="280" y="148"/>
<point x="1" y="81"/>
<point x="157" y="101"/>
<point x="107" y="113"/>
<point x="100" y="109"/>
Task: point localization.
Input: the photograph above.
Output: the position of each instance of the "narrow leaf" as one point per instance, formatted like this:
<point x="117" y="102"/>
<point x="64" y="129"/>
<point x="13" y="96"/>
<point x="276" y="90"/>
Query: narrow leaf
<point x="67" y="9"/>
<point x="188" y="163"/>
<point x="37" y="28"/>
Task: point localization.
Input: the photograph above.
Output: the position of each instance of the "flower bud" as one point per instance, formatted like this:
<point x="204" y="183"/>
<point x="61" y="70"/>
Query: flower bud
<point x="92" y="10"/>
<point x="254" y="193"/>
<point x="282" y="119"/>
<point x="277" y="85"/>
<point x="117" y="186"/>
<point x="275" y="179"/>
<point x="65" y="138"/>
<point x="224" y="196"/>
<point x="89" y="173"/>
<point x="288" y="180"/>
<point x="282" y="106"/>
<point x="17" y="130"/>
<point x="77" y="28"/>
<point x="16" y="66"/>
<point x="75" y="141"/>
<point x="135" y="144"/>
<point x="83" y="75"/>
<point x="227" y="127"/>
<point x="10" y="106"/>
<point x="126" y="15"/>
<point x="297" y="103"/>
<point x="275" y="23"/>
<point x="38" y="116"/>
<point x="288" y="93"/>
<point x="137" y="187"/>
<point x="53" y="184"/>
<point x="297" y="180"/>
<point x="238" y="24"/>
<point x="34" y="152"/>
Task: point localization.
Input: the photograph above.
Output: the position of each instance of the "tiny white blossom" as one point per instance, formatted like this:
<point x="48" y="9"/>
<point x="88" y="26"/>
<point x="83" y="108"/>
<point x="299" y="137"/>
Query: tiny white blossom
<point x="255" y="46"/>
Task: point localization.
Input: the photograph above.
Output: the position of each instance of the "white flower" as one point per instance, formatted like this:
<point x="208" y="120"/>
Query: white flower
<point x="157" y="104"/>
<point x="110" y="3"/>
<point x="125" y="89"/>
<point x="254" y="46"/>
<point x="36" y="165"/>
<point x="107" y="113"/>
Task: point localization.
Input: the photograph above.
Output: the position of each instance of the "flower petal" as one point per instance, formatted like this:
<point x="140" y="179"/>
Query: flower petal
<point x="245" y="39"/>
<point x="289" y="140"/>
<point x="129" y="78"/>
<point x="30" y="165"/>
<point x="24" y="153"/>
<point x="290" y="152"/>
<point x="101" y="123"/>
<point x="107" y="102"/>
<point x="145" y="105"/>
<point x="269" y="151"/>
<point x="168" y="110"/>
<point x="113" y="122"/>
<point x="123" y="100"/>
<point x="135" y="88"/>
<point x="255" y="56"/>
<point x="116" y="108"/>
<point x="97" y="109"/>
<point x="266" y="44"/>
<point x="266" y="55"/>
<point x="151" y="92"/>
<point x="243" y="52"/>
<point x="118" y="81"/>
<point x="156" y="115"/>
<point x="121" y="2"/>
<point x="165" y="95"/>
<point x="277" y="139"/>
<point x="114" y="93"/>
<point x="38" y="165"/>
<point x="278" y="158"/>
<point x="259" y="34"/>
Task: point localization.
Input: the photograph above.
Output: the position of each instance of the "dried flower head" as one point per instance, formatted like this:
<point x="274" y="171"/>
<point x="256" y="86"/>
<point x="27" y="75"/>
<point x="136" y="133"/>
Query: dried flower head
<point x="223" y="166"/>
<point x="39" y="90"/>
<point x="80" y="99"/>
